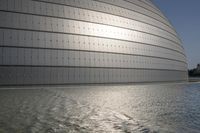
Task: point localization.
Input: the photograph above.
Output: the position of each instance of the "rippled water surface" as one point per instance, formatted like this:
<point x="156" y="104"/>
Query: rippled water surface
<point x="133" y="108"/>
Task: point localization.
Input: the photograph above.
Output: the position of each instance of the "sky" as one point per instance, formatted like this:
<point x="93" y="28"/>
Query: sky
<point x="185" y="17"/>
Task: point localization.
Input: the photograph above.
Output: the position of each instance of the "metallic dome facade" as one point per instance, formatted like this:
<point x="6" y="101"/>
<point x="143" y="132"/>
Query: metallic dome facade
<point x="87" y="42"/>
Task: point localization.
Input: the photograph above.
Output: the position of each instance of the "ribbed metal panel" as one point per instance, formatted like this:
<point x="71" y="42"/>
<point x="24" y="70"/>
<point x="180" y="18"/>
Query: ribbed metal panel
<point x="87" y="41"/>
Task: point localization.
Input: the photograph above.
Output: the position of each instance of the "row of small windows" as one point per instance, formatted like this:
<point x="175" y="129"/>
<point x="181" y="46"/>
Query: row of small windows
<point x="150" y="4"/>
<point x="71" y="12"/>
<point x="24" y="56"/>
<point x="77" y="27"/>
<point x="146" y="6"/>
<point x="65" y="41"/>
<point x="102" y="17"/>
<point x="134" y="8"/>
<point x="102" y="7"/>
<point x="37" y="75"/>
<point x="134" y="26"/>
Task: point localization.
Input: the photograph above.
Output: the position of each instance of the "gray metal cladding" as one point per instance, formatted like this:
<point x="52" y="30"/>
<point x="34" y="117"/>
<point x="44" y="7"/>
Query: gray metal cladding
<point x="87" y="41"/>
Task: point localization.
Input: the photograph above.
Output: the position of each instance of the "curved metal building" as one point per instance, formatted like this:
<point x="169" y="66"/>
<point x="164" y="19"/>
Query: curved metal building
<point x="87" y="41"/>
